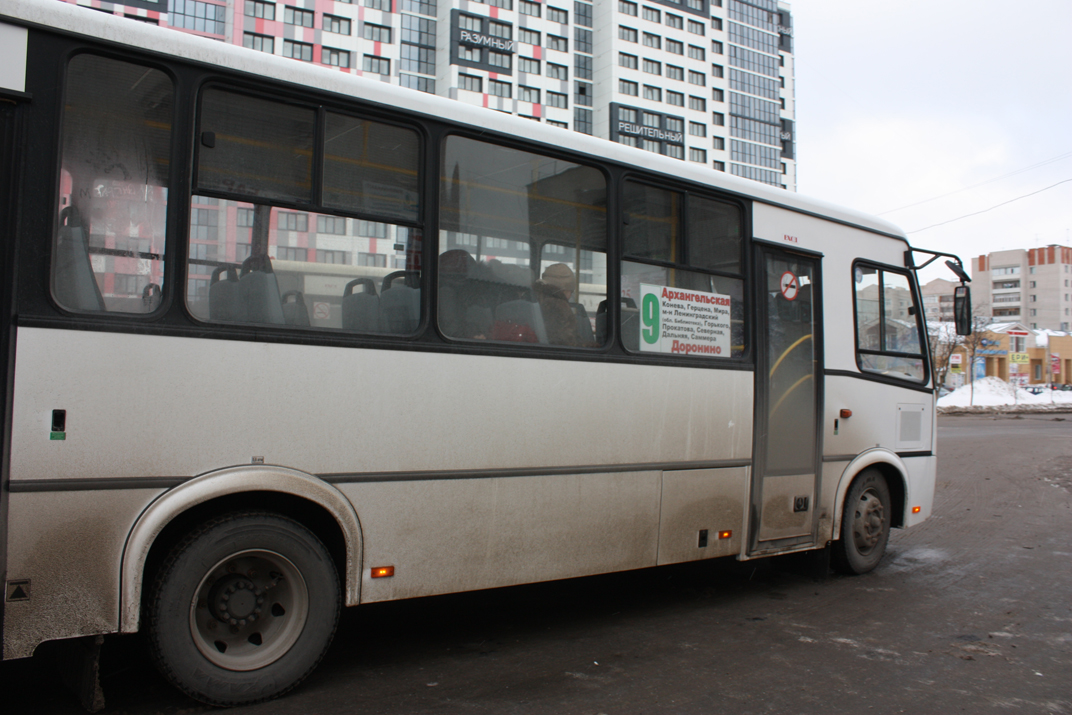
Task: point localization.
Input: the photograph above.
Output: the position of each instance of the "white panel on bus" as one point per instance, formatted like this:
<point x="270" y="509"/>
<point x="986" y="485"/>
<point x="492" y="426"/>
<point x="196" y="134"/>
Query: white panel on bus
<point x="12" y="57"/>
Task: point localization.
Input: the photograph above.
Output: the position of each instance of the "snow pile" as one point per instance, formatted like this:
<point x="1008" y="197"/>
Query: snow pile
<point x="993" y="391"/>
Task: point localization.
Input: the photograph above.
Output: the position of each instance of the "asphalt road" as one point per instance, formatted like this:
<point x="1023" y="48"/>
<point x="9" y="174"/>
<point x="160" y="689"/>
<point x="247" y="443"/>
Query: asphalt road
<point x="970" y="612"/>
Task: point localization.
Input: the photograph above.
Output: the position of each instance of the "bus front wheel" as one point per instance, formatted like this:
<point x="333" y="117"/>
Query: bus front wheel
<point x="243" y="608"/>
<point x="865" y="524"/>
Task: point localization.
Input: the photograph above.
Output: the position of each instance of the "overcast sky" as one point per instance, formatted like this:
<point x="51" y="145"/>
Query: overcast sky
<point x="901" y="103"/>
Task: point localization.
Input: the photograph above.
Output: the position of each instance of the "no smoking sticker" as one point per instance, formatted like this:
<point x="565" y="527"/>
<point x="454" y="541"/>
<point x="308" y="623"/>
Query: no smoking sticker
<point x="790" y="286"/>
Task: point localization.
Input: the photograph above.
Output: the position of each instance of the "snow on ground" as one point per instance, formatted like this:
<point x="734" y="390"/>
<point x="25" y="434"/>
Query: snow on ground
<point x="990" y="391"/>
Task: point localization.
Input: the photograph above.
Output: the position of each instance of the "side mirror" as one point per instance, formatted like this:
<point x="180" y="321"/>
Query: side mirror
<point x="962" y="309"/>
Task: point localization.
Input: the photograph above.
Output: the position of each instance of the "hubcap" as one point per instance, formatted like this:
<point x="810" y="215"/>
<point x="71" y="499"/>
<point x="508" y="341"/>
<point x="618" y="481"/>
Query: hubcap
<point x="249" y="610"/>
<point x="867" y="524"/>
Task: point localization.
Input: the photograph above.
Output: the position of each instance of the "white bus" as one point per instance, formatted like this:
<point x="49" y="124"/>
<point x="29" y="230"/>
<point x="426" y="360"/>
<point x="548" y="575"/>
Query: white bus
<point x="278" y="339"/>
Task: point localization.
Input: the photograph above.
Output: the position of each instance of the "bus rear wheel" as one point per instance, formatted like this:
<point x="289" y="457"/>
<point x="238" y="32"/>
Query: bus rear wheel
<point x="865" y="524"/>
<point x="243" y="609"/>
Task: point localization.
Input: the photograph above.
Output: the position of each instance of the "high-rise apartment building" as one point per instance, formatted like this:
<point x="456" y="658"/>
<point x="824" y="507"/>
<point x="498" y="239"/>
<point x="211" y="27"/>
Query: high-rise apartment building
<point x="1032" y="286"/>
<point x="707" y="81"/>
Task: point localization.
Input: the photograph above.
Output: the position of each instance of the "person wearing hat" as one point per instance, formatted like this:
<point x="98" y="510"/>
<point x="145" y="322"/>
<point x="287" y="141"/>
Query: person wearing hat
<point x="553" y="291"/>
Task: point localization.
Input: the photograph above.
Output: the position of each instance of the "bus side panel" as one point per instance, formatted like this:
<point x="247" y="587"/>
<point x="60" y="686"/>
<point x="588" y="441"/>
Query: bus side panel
<point x="444" y="536"/>
<point x="883" y="415"/>
<point x="69" y="546"/>
<point x="191" y="406"/>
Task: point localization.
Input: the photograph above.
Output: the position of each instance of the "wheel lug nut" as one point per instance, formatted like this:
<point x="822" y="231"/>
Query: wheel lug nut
<point x="231" y="568"/>
<point x="251" y="573"/>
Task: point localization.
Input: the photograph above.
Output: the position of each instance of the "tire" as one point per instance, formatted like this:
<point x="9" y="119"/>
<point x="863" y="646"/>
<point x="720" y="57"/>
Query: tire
<point x="243" y="609"/>
<point x="865" y="524"/>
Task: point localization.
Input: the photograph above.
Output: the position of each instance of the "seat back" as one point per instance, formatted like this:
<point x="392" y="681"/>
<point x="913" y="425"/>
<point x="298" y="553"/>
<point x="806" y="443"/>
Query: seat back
<point x="361" y="310"/>
<point x="258" y="290"/>
<point x="75" y="285"/>
<point x="223" y="301"/>
<point x="294" y="311"/>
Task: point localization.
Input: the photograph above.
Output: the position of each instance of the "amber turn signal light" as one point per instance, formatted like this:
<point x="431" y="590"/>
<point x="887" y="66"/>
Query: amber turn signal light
<point x="383" y="571"/>
<point x="725" y="534"/>
<point x="845" y="414"/>
<point x="917" y="509"/>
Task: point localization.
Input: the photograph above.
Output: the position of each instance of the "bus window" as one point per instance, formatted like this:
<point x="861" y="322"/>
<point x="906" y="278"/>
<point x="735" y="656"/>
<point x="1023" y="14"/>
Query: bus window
<point x="255" y="147"/>
<point x="112" y="208"/>
<point x="682" y="274"/>
<point x="887" y="324"/>
<point x="371" y="168"/>
<point x="251" y="263"/>
<point x="522" y="246"/>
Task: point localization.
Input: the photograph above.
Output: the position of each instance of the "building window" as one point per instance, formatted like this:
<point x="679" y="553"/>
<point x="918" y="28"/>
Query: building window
<point x="582" y="14"/>
<point x="295" y="16"/>
<point x="652" y="14"/>
<point x="718" y="165"/>
<point x="719" y="143"/>
<point x="529" y="37"/>
<point x="499" y="89"/>
<point x="627" y="61"/>
<point x="675" y="47"/>
<point x="298" y="50"/>
<point x="699" y="155"/>
<point x="697" y="129"/>
<point x="628" y="141"/>
<point x="673" y="124"/>
<point x="470" y="82"/>
<point x="556" y="99"/>
<point x="472" y="23"/>
<point x="675" y="98"/>
<point x="697" y="78"/>
<point x="582" y="66"/>
<point x="501" y="60"/>
<point x="696" y="28"/>
<point x="716" y="23"/>
<point x="335" y="225"/>
<point x="377" y="33"/>
<point x="717" y="71"/>
<point x="627" y="8"/>
<point x="653" y="93"/>
<point x="263" y="10"/>
<point x="528" y="94"/>
<point x="651" y="145"/>
<point x="338" y="25"/>
<point x="384" y="5"/>
<point x="557" y="71"/>
<point x="675" y="151"/>
<point x="531" y="9"/>
<point x="674" y="21"/>
<point x="558" y="44"/>
<point x="468" y="54"/>
<point x="561" y="125"/>
<point x="582" y="40"/>
<point x="499" y="29"/>
<point x="698" y="103"/>
<point x="696" y="53"/>
<point x="653" y="67"/>
<point x="378" y="65"/>
<point x="718" y="119"/>
<point x="258" y="42"/>
<point x="529" y="65"/>
<point x="627" y="87"/>
<point x="627" y="33"/>
<point x="716" y="47"/>
<point x="582" y="120"/>
<point x="555" y="14"/>
<point x="582" y="94"/>
<point x="675" y="72"/>
<point x="653" y="41"/>
<point x="421" y="84"/>
<point x="335" y="58"/>
<point x="290" y="221"/>
<point x="627" y="115"/>
<point x="717" y="95"/>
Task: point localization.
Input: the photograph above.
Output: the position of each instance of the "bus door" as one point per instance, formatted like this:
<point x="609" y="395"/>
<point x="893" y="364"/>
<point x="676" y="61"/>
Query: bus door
<point x="788" y="391"/>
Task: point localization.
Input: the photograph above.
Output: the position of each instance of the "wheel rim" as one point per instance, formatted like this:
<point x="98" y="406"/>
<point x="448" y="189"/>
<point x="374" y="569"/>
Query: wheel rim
<point x="867" y="525"/>
<point x="249" y="610"/>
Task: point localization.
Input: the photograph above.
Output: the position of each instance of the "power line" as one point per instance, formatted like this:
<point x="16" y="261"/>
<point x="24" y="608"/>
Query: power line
<point x="943" y="223"/>
<point x="981" y="183"/>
